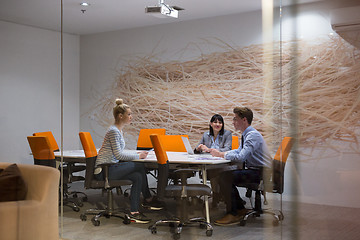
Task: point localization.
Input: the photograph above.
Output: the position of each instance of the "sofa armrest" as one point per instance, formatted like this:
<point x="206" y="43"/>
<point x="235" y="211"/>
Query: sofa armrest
<point x="37" y="216"/>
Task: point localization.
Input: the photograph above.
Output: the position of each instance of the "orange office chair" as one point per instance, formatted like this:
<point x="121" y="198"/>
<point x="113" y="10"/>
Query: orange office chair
<point x="44" y="155"/>
<point x="144" y="142"/>
<point x="106" y="184"/>
<point x="88" y="144"/>
<point x="51" y="139"/>
<point x="182" y="192"/>
<point x="272" y="182"/>
<point x="173" y="143"/>
<point x="235" y="142"/>
<point x="42" y="152"/>
<point x="70" y="168"/>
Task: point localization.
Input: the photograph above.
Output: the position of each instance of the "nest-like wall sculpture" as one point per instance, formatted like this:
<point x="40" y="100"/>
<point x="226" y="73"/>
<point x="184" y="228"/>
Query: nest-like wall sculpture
<point x="182" y="96"/>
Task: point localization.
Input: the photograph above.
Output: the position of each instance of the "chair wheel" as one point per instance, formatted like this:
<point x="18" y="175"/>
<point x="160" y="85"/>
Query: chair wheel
<point x="83" y="217"/>
<point x="153" y="230"/>
<point x="95" y="222"/>
<point x="126" y="221"/>
<point x="126" y="194"/>
<point x="281" y="217"/>
<point x="76" y="209"/>
<point x="176" y="236"/>
<point x="209" y="233"/>
<point x="242" y="222"/>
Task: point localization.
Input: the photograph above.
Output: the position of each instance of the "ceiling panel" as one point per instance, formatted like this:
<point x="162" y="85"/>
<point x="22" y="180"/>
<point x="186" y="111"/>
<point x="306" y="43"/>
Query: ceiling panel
<point x="112" y="15"/>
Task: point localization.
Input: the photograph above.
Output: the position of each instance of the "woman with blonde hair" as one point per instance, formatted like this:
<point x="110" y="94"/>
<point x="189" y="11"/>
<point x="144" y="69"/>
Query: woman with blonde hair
<point x="112" y="151"/>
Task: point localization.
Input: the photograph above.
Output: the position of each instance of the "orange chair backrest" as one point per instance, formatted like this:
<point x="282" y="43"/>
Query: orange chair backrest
<point x="284" y="149"/>
<point x="173" y="143"/>
<point x="235" y="142"/>
<point x="144" y="141"/>
<point x="88" y="144"/>
<point x="40" y="147"/>
<point x="158" y="149"/>
<point x="51" y="138"/>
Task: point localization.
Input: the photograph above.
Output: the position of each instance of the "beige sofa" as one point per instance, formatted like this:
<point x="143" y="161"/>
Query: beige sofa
<point x="36" y="217"/>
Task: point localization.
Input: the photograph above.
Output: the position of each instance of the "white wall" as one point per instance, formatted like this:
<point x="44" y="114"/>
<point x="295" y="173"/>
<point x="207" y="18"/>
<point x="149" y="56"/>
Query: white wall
<point x="325" y="181"/>
<point x="30" y="89"/>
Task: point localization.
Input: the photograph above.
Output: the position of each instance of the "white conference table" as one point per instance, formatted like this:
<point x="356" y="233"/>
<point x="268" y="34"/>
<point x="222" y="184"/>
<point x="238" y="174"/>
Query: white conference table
<point x="197" y="161"/>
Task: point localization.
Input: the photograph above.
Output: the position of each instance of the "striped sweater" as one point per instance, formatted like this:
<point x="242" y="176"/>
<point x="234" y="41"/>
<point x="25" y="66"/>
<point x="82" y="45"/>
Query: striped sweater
<point x="112" y="149"/>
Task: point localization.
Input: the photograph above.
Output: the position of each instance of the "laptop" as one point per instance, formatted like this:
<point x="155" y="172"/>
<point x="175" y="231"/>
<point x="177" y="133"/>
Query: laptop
<point x="187" y="145"/>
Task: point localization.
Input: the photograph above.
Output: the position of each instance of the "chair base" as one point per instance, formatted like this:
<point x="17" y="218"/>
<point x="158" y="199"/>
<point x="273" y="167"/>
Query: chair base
<point x="108" y="212"/>
<point x="177" y="224"/>
<point x="258" y="210"/>
<point x="72" y="199"/>
<point x="72" y="204"/>
<point x="104" y="213"/>
<point x="277" y="217"/>
<point x="74" y="195"/>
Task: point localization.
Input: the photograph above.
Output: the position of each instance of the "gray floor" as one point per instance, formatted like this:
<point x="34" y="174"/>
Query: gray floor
<point x="303" y="221"/>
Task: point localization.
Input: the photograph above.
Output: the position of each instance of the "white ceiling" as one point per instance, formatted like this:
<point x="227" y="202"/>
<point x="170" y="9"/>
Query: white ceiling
<point x="112" y="15"/>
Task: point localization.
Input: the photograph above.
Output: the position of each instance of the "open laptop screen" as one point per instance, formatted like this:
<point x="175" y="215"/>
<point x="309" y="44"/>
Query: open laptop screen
<point x="187" y="145"/>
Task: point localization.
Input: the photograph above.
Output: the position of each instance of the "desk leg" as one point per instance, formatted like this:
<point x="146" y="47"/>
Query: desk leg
<point x="206" y="197"/>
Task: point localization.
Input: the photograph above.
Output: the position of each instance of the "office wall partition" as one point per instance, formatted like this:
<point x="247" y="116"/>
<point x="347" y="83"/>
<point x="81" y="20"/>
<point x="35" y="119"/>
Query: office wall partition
<point x="296" y="65"/>
<point x="178" y="79"/>
<point x="176" y="76"/>
<point x="262" y="89"/>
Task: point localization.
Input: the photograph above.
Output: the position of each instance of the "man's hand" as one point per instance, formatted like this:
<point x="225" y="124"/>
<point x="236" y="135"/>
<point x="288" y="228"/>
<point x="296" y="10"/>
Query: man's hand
<point x="216" y="153"/>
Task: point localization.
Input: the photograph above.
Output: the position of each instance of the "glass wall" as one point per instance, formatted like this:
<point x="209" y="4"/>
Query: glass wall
<point x="260" y="59"/>
<point x="272" y="108"/>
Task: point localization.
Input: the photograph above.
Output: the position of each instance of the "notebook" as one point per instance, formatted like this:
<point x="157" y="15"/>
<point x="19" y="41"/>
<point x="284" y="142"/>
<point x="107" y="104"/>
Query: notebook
<point x="187" y="145"/>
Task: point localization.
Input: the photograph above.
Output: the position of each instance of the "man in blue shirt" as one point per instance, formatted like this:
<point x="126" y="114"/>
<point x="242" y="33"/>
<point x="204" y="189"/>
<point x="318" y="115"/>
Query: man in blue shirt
<point x="252" y="154"/>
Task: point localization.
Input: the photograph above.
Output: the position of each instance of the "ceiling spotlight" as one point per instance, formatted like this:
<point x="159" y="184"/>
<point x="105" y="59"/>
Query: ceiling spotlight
<point x="84" y="4"/>
<point x="163" y="10"/>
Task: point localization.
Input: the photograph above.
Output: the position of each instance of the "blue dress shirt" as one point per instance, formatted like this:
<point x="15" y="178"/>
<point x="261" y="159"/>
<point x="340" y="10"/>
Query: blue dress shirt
<point x="254" y="153"/>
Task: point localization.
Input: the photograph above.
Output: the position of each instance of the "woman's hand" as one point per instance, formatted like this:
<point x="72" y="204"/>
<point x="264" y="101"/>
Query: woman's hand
<point x="143" y="154"/>
<point x="202" y="148"/>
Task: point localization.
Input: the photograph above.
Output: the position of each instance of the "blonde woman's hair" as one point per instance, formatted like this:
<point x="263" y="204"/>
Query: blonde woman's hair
<point x="120" y="107"/>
